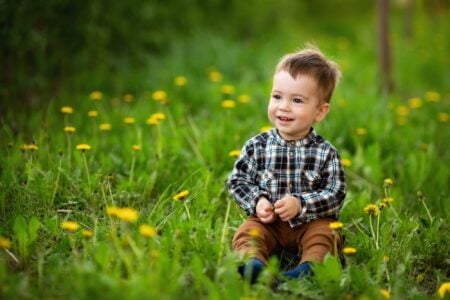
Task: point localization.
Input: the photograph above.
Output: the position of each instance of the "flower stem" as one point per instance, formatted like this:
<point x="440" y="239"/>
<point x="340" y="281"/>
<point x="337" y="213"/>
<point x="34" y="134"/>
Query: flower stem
<point x="378" y="228"/>
<point x="56" y="184"/>
<point x="373" y="233"/>
<point x="187" y="210"/>
<point x="87" y="173"/>
<point x="224" y="231"/>
<point x="428" y="211"/>
<point x="133" y="162"/>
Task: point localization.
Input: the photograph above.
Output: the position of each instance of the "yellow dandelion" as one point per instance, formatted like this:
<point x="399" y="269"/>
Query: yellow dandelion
<point x="349" y="250"/>
<point x="346" y="162"/>
<point x="361" y="131"/>
<point x="153" y="121"/>
<point x="128" y="98"/>
<point x="70" y="226"/>
<point x="215" y="76"/>
<point x="402" y="111"/>
<point x="227" y="89"/>
<point x="265" y="128"/>
<point x="336" y="225"/>
<point x="147" y="231"/>
<point x="415" y="102"/>
<point x="385" y="294"/>
<point x="181" y="195"/>
<point x="444" y="289"/>
<point x="388" y="182"/>
<point x="443" y="117"/>
<point x="105" y="127"/>
<point x="87" y="233"/>
<point x="129" y="120"/>
<point x="160" y="96"/>
<point x="136" y="148"/>
<point x="93" y="114"/>
<point x="432" y="96"/>
<point x="69" y="129"/>
<point x="127" y="214"/>
<point x="244" y="98"/>
<point x="26" y="147"/>
<point x="387" y="200"/>
<point x="67" y="110"/>
<point x="83" y="147"/>
<point x="4" y="243"/>
<point x="420" y="277"/>
<point x="382" y="206"/>
<point x="228" y="104"/>
<point x="96" y="95"/>
<point x="158" y="116"/>
<point x="371" y="209"/>
<point x="112" y="211"/>
<point x="234" y="153"/>
<point x="180" y="81"/>
<point x="254" y="233"/>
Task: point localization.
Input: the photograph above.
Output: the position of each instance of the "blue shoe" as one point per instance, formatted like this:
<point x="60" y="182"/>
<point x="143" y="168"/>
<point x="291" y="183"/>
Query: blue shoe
<point x="251" y="269"/>
<point x="302" y="270"/>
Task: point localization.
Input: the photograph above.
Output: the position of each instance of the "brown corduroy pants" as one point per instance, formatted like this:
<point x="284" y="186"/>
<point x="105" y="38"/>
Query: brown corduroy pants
<point x="312" y="240"/>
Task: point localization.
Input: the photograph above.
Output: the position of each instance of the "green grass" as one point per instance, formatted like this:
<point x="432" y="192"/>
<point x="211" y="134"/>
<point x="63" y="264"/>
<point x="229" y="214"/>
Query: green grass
<point x="379" y="137"/>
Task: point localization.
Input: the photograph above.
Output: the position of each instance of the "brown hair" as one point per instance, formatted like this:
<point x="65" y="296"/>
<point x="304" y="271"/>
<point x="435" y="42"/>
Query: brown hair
<point x="310" y="61"/>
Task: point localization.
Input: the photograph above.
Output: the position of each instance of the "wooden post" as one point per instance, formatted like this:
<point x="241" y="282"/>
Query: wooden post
<point x="384" y="47"/>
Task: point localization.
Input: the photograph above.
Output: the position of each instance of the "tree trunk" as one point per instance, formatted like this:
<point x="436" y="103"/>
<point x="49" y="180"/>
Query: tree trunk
<point x="384" y="47"/>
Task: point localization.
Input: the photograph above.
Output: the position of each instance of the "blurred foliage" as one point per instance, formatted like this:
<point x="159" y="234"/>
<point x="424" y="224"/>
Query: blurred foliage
<point x="48" y="44"/>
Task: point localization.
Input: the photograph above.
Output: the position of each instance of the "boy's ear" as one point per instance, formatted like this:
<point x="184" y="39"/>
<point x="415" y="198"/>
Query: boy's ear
<point x="322" y="112"/>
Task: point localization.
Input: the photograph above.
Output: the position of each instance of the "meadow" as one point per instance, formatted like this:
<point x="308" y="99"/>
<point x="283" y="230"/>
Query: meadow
<point x="120" y="193"/>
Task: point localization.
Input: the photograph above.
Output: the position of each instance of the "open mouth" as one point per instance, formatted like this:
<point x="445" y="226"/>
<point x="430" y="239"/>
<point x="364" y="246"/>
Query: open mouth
<point x="284" y="119"/>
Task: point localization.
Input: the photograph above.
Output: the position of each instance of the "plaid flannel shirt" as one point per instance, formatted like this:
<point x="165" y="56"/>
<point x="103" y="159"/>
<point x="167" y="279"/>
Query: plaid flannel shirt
<point x="310" y="169"/>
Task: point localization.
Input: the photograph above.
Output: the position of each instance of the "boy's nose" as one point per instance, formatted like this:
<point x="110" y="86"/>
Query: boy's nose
<point x="284" y="105"/>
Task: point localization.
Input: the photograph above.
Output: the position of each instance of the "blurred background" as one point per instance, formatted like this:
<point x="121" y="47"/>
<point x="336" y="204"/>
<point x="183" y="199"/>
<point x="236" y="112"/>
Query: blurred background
<point x="55" y="47"/>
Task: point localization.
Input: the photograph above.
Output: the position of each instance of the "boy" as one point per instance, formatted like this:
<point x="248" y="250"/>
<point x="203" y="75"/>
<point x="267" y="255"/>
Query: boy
<point x="290" y="180"/>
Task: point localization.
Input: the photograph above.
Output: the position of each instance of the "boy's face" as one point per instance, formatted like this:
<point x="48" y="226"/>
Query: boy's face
<point x="295" y="105"/>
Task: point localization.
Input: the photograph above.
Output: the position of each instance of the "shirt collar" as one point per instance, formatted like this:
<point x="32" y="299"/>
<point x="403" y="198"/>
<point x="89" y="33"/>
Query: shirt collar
<point x="310" y="137"/>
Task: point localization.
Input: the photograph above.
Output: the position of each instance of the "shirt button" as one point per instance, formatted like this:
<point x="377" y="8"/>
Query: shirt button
<point x="291" y="155"/>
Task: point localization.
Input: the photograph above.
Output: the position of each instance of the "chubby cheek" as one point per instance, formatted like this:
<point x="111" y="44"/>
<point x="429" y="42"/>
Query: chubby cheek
<point x="270" y="113"/>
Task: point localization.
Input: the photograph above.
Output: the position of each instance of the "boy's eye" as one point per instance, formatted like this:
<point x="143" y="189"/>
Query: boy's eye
<point x="297" y="100"/>
<point x="277" y="97"/>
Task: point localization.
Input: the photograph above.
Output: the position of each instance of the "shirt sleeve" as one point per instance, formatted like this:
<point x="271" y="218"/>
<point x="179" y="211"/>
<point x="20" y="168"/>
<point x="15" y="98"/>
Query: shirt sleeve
<point x="243" y="180"/>
<point x="327" y="200"/>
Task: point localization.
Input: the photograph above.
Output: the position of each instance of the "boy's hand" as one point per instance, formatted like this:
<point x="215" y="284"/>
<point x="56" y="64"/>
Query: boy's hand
<point x="287" y="207"/>
<point x="264" y="211"/>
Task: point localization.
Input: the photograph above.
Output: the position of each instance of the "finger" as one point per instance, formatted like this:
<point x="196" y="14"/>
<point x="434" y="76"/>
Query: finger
<point x="278" y="204"/>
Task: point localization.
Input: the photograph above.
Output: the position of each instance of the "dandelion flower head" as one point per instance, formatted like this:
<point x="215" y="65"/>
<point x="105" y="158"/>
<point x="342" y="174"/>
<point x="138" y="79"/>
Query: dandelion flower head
<point x="70" y="226"/>
<point x="83" y="147"/>
<point x="147" y="231"/>
<point x="349" y="250"/>
<point x="69" y="129"/>
<point x="180" y="81"/>
<point x="444" y="289"/>
<point x="181" y="195"/>
<point x="372" y="209"/>
<point x="93" y="113"/>
<point x="336" y="225"/>
<point x="105" y="127"/>
<point x="4" y="243"/>
<point x="234" y="153"/>
<point x="67" y="110"/>
<point x="228" y="104"/>
<point x="96" y="95"/>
